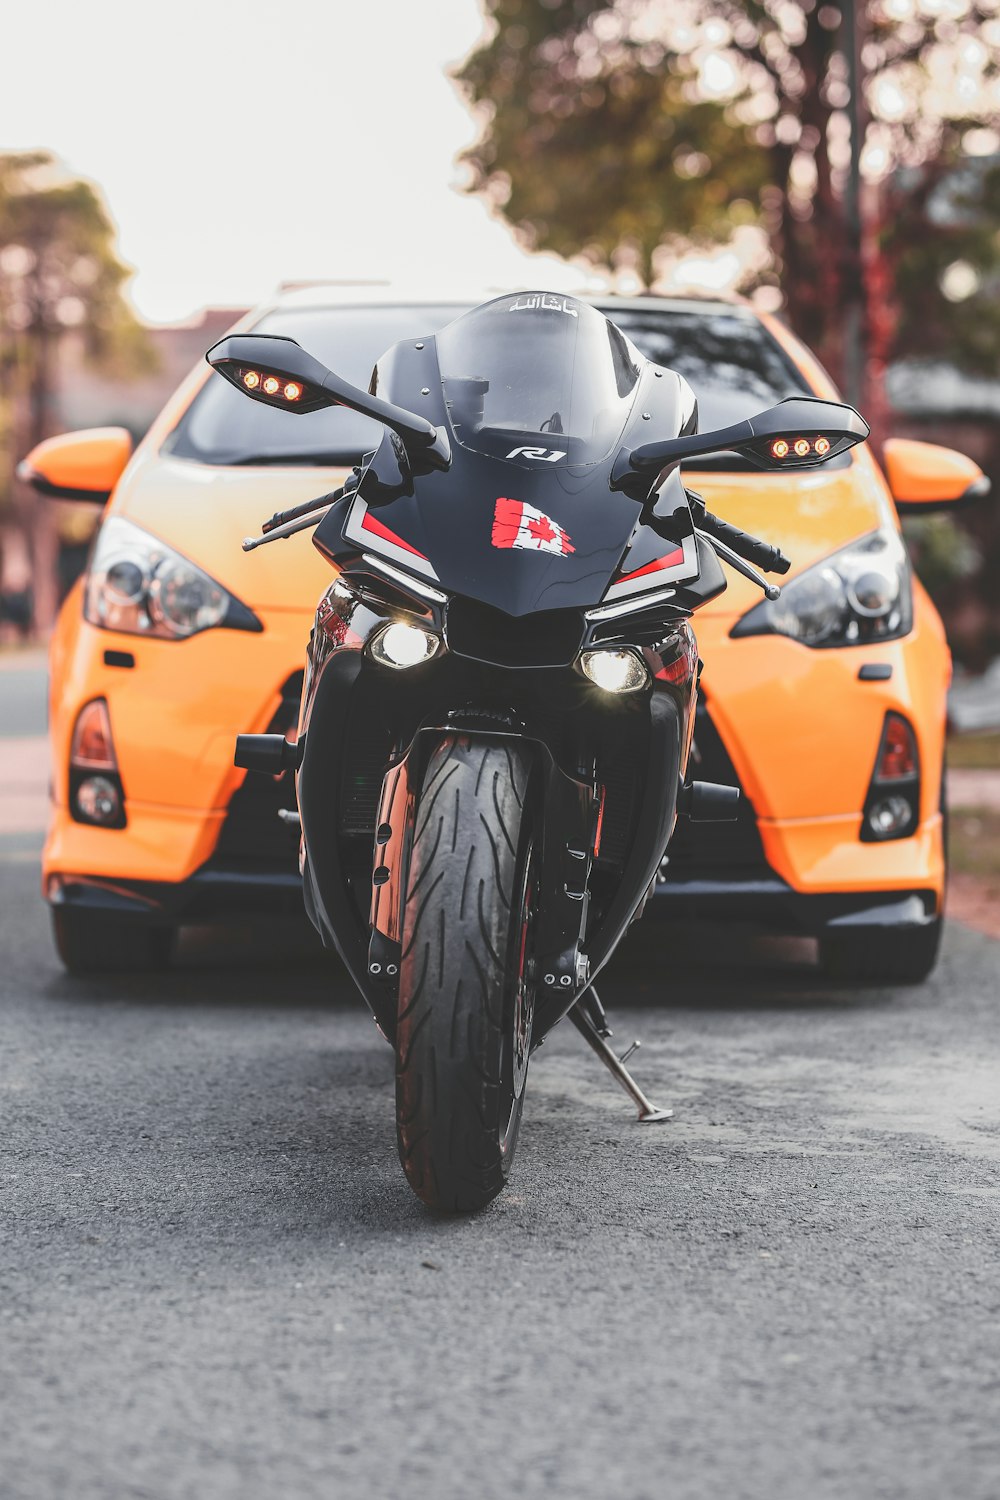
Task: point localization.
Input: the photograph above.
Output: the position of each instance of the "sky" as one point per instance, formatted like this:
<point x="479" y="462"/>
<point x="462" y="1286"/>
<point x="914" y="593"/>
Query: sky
<point x="239" y="143"/>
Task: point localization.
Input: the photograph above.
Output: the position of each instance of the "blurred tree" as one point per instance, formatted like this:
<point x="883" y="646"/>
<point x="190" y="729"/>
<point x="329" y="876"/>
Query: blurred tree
<point x="59" y="272"/>
<point x="646" y="126"/>
<point x="941" y="247"/>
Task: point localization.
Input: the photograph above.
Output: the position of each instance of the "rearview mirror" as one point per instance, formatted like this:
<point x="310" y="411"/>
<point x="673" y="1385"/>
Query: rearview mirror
<point x="279" y="372"/>
<point x="923" y="474"/>
<point x="799" y="433"/>
<point x="78" y="465"/>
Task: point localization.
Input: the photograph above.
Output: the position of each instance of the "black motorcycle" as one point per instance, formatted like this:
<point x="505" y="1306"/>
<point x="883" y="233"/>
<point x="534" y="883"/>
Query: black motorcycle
<point x="499" y="702"/>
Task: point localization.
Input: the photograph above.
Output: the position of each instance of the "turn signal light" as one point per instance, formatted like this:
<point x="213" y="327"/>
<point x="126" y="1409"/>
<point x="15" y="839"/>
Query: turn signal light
<point x="93" y="747"/>
<point x="800" y="447"/>
<point x="96" y="794"/>
<point x="892" y="807"/>
<point x="897" y="758"/>
<point x="265" y="383"/>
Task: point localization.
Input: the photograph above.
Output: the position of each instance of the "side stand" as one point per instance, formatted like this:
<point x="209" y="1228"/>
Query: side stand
<point x="580" y="1015"/>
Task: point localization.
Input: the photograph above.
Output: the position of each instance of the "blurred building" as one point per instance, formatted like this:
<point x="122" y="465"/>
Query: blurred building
<point x="87" y="398"/>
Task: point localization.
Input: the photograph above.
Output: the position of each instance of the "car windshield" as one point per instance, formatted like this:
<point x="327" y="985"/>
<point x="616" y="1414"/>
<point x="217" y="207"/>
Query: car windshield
<point x="222" y="427"/>
<point x="540" y="368"/>
<point x="734" y="366"/>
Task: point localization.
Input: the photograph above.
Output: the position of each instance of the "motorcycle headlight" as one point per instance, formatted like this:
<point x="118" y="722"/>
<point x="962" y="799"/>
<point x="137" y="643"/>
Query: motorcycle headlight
<point x="138" y="585"/>
<point x="402" y="645"/>
<point x="859" y="595"/>
<point x="615" y="671"/>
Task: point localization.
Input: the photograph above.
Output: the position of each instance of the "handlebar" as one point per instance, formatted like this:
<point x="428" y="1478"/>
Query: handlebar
<point x="282" y="517"/>
<point x="752" y="549"/>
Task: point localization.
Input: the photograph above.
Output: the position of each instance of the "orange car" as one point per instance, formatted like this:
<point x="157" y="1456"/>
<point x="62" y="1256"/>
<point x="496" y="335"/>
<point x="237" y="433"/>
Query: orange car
<point x="827" y="707"/>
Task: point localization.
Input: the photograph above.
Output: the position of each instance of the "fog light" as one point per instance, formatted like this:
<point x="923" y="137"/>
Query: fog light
<point x="889" y="817"/>
<point x="615" y="671"/>
<point x="401" y="645"/>
<point x="98" y="800"/>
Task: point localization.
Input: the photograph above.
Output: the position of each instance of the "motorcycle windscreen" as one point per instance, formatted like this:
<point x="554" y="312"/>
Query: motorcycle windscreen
<point x="537" y="371"/>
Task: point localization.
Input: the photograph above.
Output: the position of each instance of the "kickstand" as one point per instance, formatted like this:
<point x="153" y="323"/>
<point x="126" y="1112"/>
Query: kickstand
<point x="580" y="1015"/>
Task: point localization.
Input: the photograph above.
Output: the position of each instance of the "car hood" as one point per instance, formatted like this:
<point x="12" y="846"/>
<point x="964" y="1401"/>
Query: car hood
<point x="205" y="512"/>
<point x="808" y="515"/>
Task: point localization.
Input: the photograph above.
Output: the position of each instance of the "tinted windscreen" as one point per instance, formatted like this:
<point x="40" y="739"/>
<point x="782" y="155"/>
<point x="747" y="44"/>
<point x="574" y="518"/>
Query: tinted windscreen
<point x="222" y="427"/>
<point x="537" y="367"/>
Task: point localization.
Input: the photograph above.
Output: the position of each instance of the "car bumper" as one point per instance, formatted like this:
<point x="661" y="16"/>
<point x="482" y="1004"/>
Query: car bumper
<point x="217" y="891"/>
<point x="175" y="716"/>
<point x="764" y="899"/>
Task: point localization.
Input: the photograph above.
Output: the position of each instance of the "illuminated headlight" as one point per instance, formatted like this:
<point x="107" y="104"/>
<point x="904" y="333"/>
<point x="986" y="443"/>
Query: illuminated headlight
<point x="859" y="595"/>
<point x="402" y="645"/>
<point x="615" y="671"/>
<point x="138" y="585"/>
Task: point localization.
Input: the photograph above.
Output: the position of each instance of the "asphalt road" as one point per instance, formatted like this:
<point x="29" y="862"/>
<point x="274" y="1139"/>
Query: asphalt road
<point x="215" y="1282"/>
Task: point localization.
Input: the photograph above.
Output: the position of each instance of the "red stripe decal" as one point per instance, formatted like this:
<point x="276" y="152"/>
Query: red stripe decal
<point x="370" y="523"/>
<point x="669" y="561"/>
<point x="506" y="521"/>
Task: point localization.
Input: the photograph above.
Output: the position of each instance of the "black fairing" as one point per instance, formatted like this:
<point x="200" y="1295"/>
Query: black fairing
<point x="448" y="526"/>
<point x="608" y="769"/>
<point x="522" y="542"/>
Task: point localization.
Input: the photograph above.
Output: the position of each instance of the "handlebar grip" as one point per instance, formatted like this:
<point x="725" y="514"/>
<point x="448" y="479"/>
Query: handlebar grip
<point x="282" y="517"/>
<point x="769" y="559"/>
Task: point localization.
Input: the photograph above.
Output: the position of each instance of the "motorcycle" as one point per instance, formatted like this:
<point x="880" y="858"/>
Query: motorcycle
<point x="498" y="704"/>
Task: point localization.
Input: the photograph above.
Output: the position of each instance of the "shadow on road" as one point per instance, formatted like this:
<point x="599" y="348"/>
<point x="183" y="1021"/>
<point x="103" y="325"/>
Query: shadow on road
<point x="664" y="967"/>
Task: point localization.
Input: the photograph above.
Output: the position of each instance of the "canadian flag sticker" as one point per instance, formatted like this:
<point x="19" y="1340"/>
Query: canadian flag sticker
<point x="518" y="525"/>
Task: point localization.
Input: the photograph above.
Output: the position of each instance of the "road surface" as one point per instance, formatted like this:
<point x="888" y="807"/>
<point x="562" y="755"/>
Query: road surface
<point x="214" y="1281"/>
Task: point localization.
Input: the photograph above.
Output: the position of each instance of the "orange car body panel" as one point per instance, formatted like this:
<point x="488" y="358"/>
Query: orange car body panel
<point x="925" y="474"/>
<point x="799" y="728"/>
<point x="80" y="461"/>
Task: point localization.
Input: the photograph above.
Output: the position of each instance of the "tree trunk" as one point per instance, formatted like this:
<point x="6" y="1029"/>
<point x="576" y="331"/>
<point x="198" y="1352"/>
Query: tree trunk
<point x="43" y="540"/>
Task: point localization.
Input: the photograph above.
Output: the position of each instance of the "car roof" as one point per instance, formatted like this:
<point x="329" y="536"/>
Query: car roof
<point x="308" y="295"/>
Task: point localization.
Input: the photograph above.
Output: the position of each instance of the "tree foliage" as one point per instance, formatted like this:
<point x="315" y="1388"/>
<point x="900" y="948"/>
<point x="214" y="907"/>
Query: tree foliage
<point x="59" y="274"/>
<point x="59" y="271"/>
<point x="646" y="126"/>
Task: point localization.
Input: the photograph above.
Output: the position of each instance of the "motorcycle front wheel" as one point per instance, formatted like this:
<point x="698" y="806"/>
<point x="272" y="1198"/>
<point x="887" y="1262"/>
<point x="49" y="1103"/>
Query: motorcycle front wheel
<point x="465" y="999"/>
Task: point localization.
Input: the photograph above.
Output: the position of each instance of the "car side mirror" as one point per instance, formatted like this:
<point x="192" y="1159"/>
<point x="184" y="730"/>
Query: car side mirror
<point x="78" y="465"/>
<point x="923" y="475"/>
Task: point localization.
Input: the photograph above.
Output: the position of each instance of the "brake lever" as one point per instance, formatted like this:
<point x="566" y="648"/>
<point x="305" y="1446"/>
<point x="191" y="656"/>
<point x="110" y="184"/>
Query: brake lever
<point x="280" y="533"/>
<point x="770" y="591"/>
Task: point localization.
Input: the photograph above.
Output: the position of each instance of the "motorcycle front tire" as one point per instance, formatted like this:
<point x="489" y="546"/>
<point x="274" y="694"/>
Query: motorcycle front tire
<point x="465" y="999"/>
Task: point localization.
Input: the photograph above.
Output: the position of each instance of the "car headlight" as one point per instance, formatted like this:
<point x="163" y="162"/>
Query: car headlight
<point x="138" y="585"/>
<point x="860" y="595"/>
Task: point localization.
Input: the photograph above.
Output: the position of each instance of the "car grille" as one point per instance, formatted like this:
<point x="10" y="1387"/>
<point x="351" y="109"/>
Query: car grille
<point x="252" y="833"/>
<point x="714" y="849"/>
